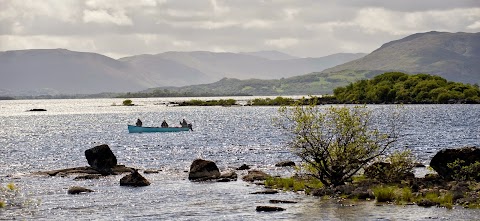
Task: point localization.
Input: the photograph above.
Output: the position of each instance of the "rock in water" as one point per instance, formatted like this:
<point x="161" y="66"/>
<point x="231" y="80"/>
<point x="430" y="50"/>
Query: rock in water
<point x="134" y="179"/>
<point x="440" y="161"/>
<point x="78" y="190"/>
<point x="101" y="158"/>
<point x="285" y="164"/>
<point x="269" y="209"/>
<point x="203" y="170"/>
<point x="254" y="175"/>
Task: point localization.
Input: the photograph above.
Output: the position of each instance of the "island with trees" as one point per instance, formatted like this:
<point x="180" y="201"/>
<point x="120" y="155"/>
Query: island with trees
<point x="397" y="87"/>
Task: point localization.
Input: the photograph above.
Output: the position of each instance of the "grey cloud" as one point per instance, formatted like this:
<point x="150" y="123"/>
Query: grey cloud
<point x="304" y="27"/>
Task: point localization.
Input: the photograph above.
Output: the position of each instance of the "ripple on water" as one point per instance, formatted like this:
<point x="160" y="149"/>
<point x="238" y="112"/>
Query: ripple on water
<point x="229" y="136"/>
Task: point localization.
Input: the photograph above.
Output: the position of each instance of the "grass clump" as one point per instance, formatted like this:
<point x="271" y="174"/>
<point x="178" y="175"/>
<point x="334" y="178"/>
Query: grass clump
<point x="393" y="194"/>
<point x="293" y="184"/>
<point x="384" y="193"/>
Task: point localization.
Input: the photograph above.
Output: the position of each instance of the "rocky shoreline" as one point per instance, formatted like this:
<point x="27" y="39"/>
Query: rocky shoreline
<point x="436" y="189"/>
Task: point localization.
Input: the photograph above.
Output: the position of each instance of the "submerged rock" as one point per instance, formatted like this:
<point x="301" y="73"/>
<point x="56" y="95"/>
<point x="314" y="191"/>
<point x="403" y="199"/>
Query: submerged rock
<point x="87" y="177"/>
<point x="228" y="176"/>
<point x="78" y="190"/>
<point x="134" y="179"/>
<point x="269" y="209"/>
<point x="254" y="175"/>
<point x="84" y="170"/>
<point x="101" y="158"/>
<point x="285" y="164"/>
<point x="266" y="192"/>
<point x="201" y="170"/>
<point x="243" y="167"/>
<point x="282" y="201"/>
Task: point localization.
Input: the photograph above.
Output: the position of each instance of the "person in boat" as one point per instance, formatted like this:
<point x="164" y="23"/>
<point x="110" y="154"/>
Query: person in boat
<point x="139" y="123"/>
<point x="184" y="123"/>
<point x="164" y="123"/>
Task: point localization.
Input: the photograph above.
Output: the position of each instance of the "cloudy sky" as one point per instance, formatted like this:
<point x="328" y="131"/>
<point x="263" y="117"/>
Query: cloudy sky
<point x="304" y="28"/>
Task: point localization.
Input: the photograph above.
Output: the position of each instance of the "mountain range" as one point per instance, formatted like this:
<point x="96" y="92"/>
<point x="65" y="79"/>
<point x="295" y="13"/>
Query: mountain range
<point x="453" y="56"/>
<point x="61" y="71"/>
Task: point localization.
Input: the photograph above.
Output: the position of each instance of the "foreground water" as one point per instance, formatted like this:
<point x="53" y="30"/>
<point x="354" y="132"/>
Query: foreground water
<point x="230" y="136"/>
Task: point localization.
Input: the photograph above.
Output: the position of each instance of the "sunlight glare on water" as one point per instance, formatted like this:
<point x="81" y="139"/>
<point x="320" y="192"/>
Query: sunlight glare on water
<point x="229" y="136"/>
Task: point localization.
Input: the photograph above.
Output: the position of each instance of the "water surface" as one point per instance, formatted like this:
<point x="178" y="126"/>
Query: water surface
<point x="230" y="136"/>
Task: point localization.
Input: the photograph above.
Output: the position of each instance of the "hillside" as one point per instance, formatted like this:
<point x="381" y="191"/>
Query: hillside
<point x="453" y="56"/>
<point x="55" y="71"/>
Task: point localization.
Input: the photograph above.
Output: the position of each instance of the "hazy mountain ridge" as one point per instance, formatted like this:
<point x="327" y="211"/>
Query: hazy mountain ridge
<point x="60" y="71"/>
<point x="54" y="71"/>
<point x="218" y="65"/>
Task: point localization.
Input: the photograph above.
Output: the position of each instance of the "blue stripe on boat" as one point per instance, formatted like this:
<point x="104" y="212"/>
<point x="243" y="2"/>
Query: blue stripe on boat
<point x="135" y="129"/>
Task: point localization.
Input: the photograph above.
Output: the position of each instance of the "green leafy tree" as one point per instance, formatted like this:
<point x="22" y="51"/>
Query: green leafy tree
<point x="334" y="143"/>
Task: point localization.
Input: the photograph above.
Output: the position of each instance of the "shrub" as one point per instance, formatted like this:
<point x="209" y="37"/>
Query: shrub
<point x="334" y="143"/>
<point x="127" y="102"/>
<point x="398" y="166"/>
<point x="463" y="172"/>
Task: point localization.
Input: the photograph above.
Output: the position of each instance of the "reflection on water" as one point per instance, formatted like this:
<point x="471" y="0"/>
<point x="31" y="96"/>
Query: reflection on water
<point x="230" y="136"/>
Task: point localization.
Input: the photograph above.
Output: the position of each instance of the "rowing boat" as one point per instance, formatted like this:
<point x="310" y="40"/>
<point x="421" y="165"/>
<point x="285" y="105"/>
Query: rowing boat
<point x="136" y="129"/>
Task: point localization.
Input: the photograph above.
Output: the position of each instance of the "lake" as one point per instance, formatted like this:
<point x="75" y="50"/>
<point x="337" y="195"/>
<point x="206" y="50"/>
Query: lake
<point x="229" y="136"/>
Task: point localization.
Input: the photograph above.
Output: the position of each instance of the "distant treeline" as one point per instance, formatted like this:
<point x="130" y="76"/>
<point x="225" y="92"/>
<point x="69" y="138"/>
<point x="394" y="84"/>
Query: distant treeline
<point x="170" y="93"/>
<point x="7" y="98"/>
<point x="278" y="101"/>
<point x="397" y="87"/>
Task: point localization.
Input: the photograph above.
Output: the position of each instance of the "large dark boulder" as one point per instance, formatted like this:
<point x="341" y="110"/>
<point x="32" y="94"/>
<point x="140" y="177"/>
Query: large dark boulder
<point x="134" y="179"/>
<point x="101" y="158"/>
<point x="469" y="155"/>
<point x="203" y="170"/>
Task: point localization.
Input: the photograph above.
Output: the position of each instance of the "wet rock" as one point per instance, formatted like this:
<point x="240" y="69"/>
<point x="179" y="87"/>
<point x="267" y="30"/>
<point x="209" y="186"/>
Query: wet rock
<point x="362" y="194"/>
<point x="269" y="209"/>
<point x="418" y="165"/>
<point x="134" y="179"/>
<point x="285" y="164"/>
<point x="78" y="190"/>
<point x="440" y="161"/>
<point x="243" y="167"/>
<point x="266" y="192"/>
<point x="323" y="192"/>
<point x="345" y="189"/>
<point x="37" y="109"/>
<point x="84" y="170"/>
<point x="118" y="169"/>
<point x="459" y="190"/>
<point x="228" y="176"/>
<point x="151" y="171"/>
<point x="254" y="175"/>
<point x="101" y="158"/>
<point x="282" y="201"/>
<point x="87" y="177"/>
<point x="203" y="170"/>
